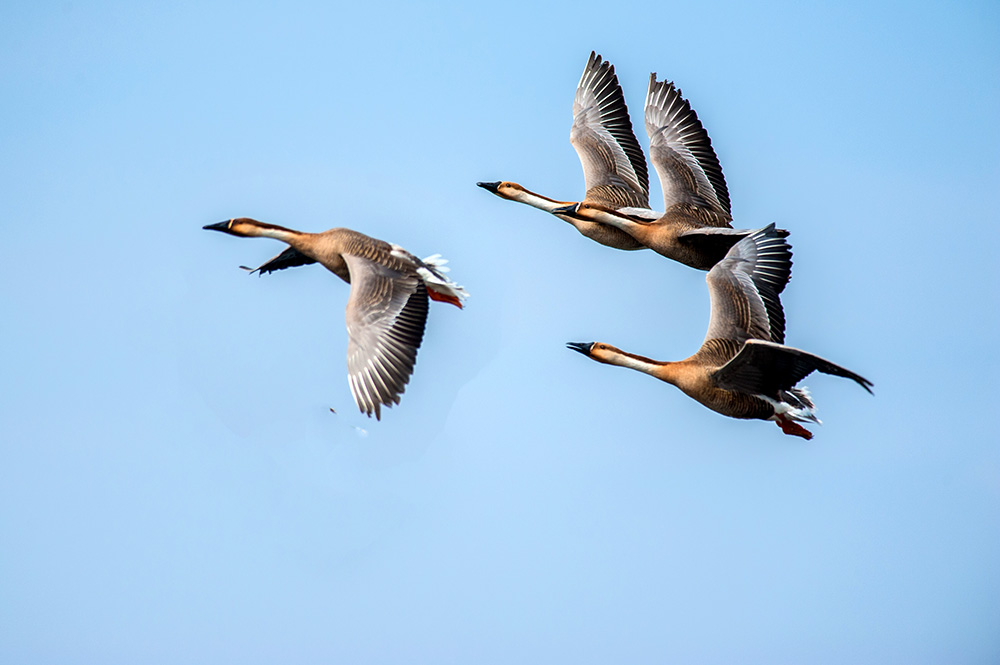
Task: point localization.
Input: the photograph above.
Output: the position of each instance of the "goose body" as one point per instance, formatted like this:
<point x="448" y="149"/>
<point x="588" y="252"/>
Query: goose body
<point x="743" y="368"/>
<point x="386" y="310"/>
<point x="614" y="167"/>
<point x="696" y="227"/>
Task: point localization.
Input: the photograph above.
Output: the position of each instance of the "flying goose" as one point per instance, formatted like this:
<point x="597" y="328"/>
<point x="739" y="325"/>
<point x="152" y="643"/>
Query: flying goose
<point x="743" y="369"/>
<point x="696" y="228"/>
<point x="387" y="308"/>
<point x="614" y="168"/>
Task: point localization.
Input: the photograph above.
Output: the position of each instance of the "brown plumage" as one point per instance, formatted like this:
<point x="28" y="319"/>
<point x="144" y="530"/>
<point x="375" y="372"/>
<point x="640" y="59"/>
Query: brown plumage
<point x="743" y="369"/>
<point x="387" y="308"/>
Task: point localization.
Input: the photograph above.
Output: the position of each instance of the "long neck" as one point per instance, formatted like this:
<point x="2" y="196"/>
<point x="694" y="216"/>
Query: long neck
<point x="661" y="370"/>
<point x="538" y="201"/>
<point x="621" y="222"/>
<point x="262" y="230"/>
<point x="316" y="246"/>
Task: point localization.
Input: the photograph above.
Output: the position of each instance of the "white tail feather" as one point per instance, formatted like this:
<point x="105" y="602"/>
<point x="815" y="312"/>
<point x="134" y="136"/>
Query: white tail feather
<point x="432" y="270"/>
<point x="804" y="413"/>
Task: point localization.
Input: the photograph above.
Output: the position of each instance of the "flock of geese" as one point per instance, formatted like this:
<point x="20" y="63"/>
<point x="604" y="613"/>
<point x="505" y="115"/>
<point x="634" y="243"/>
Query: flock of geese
<point x="743" y="368"/>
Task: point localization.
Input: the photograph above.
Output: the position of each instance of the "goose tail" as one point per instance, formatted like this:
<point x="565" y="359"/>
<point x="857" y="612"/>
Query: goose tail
<point x="795" y="406"/>
<point x="439" y="287"/>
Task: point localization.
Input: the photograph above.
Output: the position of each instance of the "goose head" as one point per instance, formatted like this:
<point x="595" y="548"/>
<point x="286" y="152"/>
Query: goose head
<point x="238" y="226"/>
<point x="504" y="189"/>
<point x="599" y="351"/>
<point x="244" y="227"/>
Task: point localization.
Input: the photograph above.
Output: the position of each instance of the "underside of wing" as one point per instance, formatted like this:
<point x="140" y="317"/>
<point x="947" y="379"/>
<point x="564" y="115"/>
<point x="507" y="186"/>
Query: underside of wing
<point x="682" y="153"/>
<point x="614" y="167"/>
<point x="765" y="368"/>
<point x="744" y="288"/>
<point x="386" y="315"/>
<point x="290" y="258"/>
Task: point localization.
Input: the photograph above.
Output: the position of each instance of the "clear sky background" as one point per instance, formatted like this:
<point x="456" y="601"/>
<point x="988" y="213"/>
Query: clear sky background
<point x="174" y="488"/>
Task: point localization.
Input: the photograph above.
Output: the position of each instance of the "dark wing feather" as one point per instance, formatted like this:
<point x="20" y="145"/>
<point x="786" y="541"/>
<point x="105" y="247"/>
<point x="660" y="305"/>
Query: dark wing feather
<point x="712" y="242"/>
<point x="290" y="258"/>
<point x="386" y="315"/>
<point x="744" y="288"/>
<point x="682" y="153"/>
<point x="765" y="368"/>
<point x="614" y="168"/>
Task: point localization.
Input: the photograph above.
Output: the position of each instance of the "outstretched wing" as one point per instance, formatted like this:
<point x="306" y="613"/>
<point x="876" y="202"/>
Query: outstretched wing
<point x="765" y="368"/>
<point x="614" y="168"/>
<point x="289" y="258"/>
<point x="744" y="288"/>
<point x="386" y="314"/>
<point x="682" y="153"/>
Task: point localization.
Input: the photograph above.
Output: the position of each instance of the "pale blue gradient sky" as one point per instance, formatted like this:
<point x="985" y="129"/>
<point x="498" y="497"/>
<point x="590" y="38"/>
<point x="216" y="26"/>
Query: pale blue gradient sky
<point x="174" y="489"/>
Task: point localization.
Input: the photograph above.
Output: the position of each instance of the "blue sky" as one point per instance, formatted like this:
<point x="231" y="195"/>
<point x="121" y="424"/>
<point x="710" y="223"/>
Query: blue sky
<point x="174" y="488"/>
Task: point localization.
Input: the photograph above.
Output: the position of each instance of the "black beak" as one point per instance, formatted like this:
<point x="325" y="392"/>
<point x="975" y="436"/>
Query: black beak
<point x="490" y="186"/>
<point x="582" y="347"/>
<point x="569" y="210"/>
<point x="221" y="226"/>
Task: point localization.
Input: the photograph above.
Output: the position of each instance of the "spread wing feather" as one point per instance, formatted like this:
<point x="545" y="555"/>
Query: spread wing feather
<point x="766" y="368"/>
<point x="682" y="153"/>
<point x="290" y="258"/>
<point x="386" y="315"/>
<point x="745" y="286"/>
<point x="614" y="167"/>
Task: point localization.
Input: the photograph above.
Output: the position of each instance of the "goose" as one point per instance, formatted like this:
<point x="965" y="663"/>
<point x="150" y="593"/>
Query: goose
<point x="387" y="308"/>
<point x="696" y="228"/>
<point x="743" y="368"/>
<point x="614" y="167"/>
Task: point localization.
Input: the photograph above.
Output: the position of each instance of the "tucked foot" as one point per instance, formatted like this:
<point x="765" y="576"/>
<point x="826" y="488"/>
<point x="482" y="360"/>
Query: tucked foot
<point x="793" y="428"/>
<point x="444" y="297"/>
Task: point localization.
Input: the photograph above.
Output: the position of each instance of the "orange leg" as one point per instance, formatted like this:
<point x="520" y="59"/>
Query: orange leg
<point x="441" y="297"/>
<point x="791" y="427"/>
